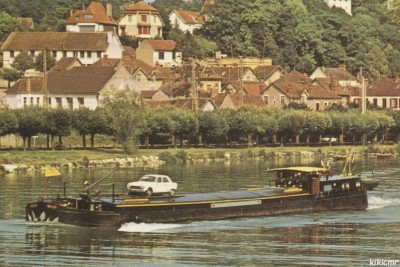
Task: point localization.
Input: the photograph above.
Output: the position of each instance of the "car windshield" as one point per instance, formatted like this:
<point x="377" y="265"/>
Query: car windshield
<point x="148" y="179"/>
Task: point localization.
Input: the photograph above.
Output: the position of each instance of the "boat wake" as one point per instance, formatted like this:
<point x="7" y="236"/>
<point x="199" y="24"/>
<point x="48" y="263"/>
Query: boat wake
<point x="375" y="202"/>
<point x="147" y="227"/>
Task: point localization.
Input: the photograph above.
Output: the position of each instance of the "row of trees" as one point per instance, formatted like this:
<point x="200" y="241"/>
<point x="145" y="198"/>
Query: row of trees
<point x="133" y="125"/>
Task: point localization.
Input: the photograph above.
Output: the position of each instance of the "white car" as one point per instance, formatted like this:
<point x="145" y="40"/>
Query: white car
<point x="153" y="184"/>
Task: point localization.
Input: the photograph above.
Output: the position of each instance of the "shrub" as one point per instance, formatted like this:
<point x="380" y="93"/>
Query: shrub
<point x="168" y="158"/>
<point x="181" y="154"/>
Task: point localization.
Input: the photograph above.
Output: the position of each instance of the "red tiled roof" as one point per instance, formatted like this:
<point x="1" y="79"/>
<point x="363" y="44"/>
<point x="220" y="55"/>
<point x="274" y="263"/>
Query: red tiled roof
<point x="295" y="89"/>
<point x="384" y="87"/>
<point x="162" y="45"/>
<point x="264" y="72"/>
<point x="56" y="41"/>
<point x="33" y="85"/>
<point x="98" y="12"/>
<point x="191" y="17"/>
<point x="339" y="73"/>
<point x="65" y="63"/>
<point x="81" y="80"/>
<point x="253" y="88"/>
<point x="231" y="74"/>
<point x="140" y="6"/>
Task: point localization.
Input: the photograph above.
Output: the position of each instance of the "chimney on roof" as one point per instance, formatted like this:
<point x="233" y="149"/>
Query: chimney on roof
<point x="109" y="9"/>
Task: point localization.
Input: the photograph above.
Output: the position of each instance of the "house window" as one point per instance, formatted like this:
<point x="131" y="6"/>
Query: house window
<point x="317" y="107"/>
<point x="32" y="101"/>
<point x="12" y="53"/>
<point x="89" y="54"/>
<point x="266" y="100"/>
<point x="81" y="102"/>
<point x="75" y="54"/>
<point x="282" y="100"/>
<point x="384" y="103"/>
<point x="155" y="19"/>
<point x="393" y="103"/>
<point x="173" y="54"/>
<point x="58" y="102"/>
<point x="129" y="18"/>
<point x="161" y="55"/>
<point x="70" y="104"/>
<point x="98" y="54"/>
<point x="64" y="53"/>
<point x="32" y="53"/>
<point x="54" y="53"/>
<point x="144" y="30"/>
<point x="143" y="18"/>
<point x="82" y="54"/>
<point x="25" y="101"/>
<point x="88" y="16"/>
<point x="49" y="102"/>
<point x="375" y="102"/>
<point x="37" y="101"/>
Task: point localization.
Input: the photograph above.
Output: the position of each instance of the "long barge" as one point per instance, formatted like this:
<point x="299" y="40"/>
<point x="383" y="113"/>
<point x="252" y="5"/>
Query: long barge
<point x="295" y="190"/>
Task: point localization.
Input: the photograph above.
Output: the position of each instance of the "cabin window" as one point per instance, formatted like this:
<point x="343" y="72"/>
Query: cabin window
<point x="89" y="54"/>
<point x="12" y="53"/>
<point x="82" y="54"/>
<point x="393" y="103"/>
<point x="143" y="18"/>
<point x="161" y="55"/>
<point x="37" y="101"/>
<point x="32" y="101"/>
<point x="64" y="53"/>
<point x="266" y="100"/>
<point x="98" y="54"/>
<point x="54" y="53"/>
<point x="25" y="100"/>
<point x="317" y="106"/>
<point x="32" y="53"/>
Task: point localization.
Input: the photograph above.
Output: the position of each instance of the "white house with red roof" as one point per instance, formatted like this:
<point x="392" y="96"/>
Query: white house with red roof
<point x="163" y="53"/>
<point x="141" y="20"/>
<point x="87" y="47"/>
<point x="186" y="21"/>
<point x="95" y="18"/>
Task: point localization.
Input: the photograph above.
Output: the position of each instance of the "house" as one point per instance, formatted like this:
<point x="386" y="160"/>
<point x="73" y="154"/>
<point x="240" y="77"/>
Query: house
<point x="245" y="87"/>
<point x="210" y="81"/>
<point x="290" y="89"/>
<point x="236" y="73"/>
<point x="343" y="4"/>
<point x="95" y="18"/>
<point x="341" y="74"/>
<point x="235" y="101"/>
<point x="383" y="93"/>
<point x="141" y="20"/>
<point x="66" y="63"/>
<point x="72" y="89"/>
<point x="347" y="93"/>
<point x="268" y="74"/>
<point x="203" y="104"/>
<point x="163" y="53"/>
<point x="154" y="95"/>
<point x="87" y="47"/>
<point x="186" y="21"/>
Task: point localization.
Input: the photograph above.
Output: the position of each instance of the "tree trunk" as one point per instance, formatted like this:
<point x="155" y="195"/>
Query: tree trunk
<point x="52" y="142"/>
<point x="60" y="143"/>
<point x="92" y="140"/>
<point x="297" y="139"/>
<point x="146" y="142"/>
<point x="47" y="141"/>
<point x="173" y="140"/>
<point x="274" y="139"/>
<point x="249" y="140"/>
<point x="29" y="142"/>
<point x="84" y="141"/>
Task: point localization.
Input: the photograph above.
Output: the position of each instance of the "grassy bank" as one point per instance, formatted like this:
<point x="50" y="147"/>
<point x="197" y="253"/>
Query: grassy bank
<point x="34" y="157"/>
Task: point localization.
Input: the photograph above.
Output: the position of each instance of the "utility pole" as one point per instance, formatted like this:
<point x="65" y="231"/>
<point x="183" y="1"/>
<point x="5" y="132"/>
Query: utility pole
<point x="194" y="90"/>
<point x="45" y="91"/>
<point x="363" y="94"/>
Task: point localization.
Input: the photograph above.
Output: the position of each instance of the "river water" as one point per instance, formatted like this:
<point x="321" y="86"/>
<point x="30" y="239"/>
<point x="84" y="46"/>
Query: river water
<point x="359" y="238"/>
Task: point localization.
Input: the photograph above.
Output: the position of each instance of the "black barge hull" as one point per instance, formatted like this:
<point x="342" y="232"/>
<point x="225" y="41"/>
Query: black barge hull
<point x="171" y="210"/>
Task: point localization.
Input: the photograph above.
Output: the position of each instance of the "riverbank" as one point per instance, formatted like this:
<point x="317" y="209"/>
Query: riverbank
<point x="11" y="160"/>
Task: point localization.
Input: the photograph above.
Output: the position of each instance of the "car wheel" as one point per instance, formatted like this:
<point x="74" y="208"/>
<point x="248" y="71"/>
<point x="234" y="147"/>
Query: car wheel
<point x="149" y="192"/>
<point x="171" y="192"/>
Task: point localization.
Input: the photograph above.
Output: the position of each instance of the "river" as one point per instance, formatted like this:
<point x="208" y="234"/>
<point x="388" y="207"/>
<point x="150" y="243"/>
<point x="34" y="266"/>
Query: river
<point x="358" y="238"/>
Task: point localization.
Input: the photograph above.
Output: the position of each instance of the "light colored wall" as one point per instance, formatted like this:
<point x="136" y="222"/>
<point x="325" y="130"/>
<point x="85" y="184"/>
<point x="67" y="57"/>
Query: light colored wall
<point x="131" y="27"/>
<point x="343" y="4"/>
<point x="177" y="22"/>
